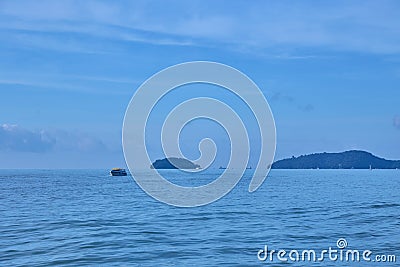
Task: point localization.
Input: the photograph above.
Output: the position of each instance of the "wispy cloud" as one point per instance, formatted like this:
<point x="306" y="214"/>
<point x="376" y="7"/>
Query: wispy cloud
<point x="306" y="108"/>
<point x="396" y="122"/>
<point x="365" y="26"/>
<point x="278" y="96"/>
<point x="73" y="83"/>
<point x="283" y="98"/>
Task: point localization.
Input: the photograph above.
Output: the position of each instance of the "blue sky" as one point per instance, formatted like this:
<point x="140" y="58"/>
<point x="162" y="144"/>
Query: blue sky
<point x="330" y="71"/>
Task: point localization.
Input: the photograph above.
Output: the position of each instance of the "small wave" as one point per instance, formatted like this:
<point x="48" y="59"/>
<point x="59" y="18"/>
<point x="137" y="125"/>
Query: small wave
<point x="384" y="205"/>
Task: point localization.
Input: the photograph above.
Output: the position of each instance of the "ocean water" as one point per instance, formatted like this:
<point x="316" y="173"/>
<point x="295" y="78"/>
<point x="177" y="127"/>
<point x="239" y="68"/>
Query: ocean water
<point x="87" y="218"/>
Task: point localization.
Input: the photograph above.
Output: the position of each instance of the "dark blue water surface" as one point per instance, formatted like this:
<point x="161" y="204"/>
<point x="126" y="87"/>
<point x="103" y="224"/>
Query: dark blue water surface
<point x="86" y="217"/>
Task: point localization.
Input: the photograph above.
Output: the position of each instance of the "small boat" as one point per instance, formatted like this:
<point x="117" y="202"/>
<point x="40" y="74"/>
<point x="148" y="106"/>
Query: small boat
<point x="118" y="172"/>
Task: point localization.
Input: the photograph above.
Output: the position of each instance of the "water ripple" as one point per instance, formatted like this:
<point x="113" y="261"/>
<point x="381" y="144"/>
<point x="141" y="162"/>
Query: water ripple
<point x="86" y="218"/>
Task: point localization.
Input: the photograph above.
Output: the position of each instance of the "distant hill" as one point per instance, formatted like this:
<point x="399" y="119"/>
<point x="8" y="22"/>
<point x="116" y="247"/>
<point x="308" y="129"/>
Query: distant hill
<point x="174" y="163"/>
<point x="353" y="159"/>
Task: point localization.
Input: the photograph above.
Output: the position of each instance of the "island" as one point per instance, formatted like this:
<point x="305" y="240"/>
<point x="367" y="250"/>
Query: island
<point x="174" y="163"/>
<point x="353" y="159"/>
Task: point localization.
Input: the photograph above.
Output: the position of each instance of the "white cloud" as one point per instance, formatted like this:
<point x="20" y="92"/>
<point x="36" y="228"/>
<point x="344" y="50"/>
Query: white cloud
<point x="18" y="139"/>
<point x="15" y="138"/>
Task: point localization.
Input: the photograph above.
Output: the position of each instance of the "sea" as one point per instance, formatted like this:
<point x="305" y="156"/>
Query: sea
<point x="88" y="218"/>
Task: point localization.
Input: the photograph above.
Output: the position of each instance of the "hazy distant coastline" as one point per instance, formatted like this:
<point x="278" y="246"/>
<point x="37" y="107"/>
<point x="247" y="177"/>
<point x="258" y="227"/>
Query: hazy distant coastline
<point x="353" y="159"/>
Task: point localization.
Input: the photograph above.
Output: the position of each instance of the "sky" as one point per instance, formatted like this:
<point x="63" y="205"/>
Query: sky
<point x="68" y="69"/>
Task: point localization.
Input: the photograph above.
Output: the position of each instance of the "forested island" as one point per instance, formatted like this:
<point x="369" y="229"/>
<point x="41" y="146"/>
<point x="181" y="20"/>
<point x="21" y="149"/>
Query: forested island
<point x="353" y="159"/>
<point x="174" y="163"/>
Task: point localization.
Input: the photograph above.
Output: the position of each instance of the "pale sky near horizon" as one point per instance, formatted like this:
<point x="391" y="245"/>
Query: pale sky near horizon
<point x="330" y="71"/>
